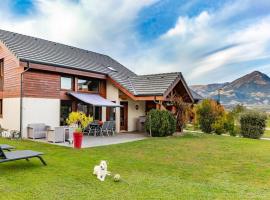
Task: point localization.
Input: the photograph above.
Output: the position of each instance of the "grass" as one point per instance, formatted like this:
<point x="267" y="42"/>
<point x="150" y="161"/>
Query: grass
<point x="267" y="131"/>
<point x="266" y="134"/>
<point x="188" y="167"/>
<point x="268" y="123"/>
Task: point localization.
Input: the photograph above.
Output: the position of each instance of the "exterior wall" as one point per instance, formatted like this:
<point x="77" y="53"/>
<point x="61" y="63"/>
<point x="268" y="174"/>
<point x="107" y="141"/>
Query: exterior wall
<point x="40" y="110"/>
<point x="133" y="114"/>
<point x="42" y="85"/>
<point x="12" y="72"/>
<point x="11" y="114"/>
<point x="113" y="95"/>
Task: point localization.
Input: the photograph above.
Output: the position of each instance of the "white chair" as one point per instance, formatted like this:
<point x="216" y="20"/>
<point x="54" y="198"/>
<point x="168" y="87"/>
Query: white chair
<point x="69" y="134"/>
<point x="56" y="135"/>
<point x="35" y="131"/>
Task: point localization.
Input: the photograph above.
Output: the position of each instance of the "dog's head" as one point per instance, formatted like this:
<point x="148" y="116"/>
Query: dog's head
<point x="103" y="165"/>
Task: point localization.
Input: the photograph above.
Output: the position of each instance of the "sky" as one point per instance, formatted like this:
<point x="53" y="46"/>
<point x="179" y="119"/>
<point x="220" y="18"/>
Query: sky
<point x="209" y="41"/>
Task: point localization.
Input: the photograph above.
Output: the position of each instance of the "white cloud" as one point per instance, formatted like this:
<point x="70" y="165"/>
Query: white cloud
<point x="253" y="42"/>
<point x="95" y="24"/>
<point x="187" y="25"/>
<point x="109" y="27"/>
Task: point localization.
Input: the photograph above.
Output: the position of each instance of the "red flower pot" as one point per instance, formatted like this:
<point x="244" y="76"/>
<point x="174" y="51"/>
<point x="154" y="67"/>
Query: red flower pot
<point x="77" y="137"/>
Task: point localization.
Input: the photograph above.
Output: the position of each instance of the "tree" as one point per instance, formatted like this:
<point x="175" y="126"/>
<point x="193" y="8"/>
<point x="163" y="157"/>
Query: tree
<point x="208" y="113"/>
<point x="182" y="111"/>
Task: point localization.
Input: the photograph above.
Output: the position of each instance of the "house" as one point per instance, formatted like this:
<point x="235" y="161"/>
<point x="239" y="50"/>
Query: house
<point x="42" y="81"/>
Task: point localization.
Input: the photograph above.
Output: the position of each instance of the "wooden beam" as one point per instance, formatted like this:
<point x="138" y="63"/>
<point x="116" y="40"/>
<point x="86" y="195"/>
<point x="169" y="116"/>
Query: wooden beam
<point x="120" y="87"/>
<point x="56" y="69"/>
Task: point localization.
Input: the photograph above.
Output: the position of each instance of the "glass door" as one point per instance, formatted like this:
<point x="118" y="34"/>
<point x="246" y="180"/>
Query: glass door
<point x="65" y="109"/>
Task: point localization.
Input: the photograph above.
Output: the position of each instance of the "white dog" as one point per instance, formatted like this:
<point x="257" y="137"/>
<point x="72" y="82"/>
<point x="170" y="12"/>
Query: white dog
<point x="101" y="170"/>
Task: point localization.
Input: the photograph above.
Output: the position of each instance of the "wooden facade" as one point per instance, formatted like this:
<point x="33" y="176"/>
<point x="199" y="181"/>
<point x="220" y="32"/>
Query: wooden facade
<point x="12" y="71"/>
<point x="41" y="85"/>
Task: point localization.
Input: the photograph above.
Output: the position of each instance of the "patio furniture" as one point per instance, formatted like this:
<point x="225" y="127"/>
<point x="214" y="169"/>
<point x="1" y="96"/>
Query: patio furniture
<point x="56" y="135"/>
<point x="20" y="155"/>
<point x="6" y="147"/>
<point x="69" y="134"/>
<point x="35" y="131"/>
<point x="108" y="127"/>
<point x="111" y="128"/>
<point x="93" y="128"/>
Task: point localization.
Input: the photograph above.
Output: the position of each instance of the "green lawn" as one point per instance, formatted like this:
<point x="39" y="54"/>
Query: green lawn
<point x="267" y="132"/>
<point x="189" y="167"/>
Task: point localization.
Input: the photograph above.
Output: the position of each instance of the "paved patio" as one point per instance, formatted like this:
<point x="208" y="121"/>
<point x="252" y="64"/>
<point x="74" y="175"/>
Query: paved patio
<point x="91" y="141"/>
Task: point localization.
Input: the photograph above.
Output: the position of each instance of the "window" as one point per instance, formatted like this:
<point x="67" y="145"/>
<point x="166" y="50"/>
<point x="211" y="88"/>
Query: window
<point x="89" y="110"/>
<point x="88" y="85"/>
<point x="66" y="83"/>
<point x="112" y="69"/>
<point x="1" y="107"/>
<point x="1" y="74"/>
<point x="65" y="109"/>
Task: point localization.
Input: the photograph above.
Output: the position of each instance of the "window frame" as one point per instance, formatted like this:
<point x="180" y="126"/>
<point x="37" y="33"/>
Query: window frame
<point x="72" y="83"/>
<point x="1" y="108"/>
<point x="88" y="79"/>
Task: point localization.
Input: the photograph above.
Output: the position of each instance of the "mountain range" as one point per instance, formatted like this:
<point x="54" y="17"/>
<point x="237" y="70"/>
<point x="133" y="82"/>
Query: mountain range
<point x="251" y="89"/>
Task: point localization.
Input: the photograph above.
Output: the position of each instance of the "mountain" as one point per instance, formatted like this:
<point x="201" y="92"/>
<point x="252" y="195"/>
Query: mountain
<point x="251" y="89"/>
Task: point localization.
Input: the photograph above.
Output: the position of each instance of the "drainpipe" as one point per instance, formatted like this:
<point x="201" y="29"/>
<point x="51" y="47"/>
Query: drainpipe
<point x="21" y="99"/>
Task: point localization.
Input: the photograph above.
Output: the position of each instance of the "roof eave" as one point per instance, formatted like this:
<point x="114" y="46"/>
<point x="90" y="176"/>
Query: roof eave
<point x="57" y="65"/>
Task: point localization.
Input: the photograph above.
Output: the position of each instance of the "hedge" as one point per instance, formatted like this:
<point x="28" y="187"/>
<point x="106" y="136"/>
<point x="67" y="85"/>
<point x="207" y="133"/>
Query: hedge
<point x="252" y="124"/>
<point x="160" y="122"/>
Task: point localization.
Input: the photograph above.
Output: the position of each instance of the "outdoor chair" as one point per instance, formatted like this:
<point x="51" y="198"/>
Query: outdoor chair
<point x="36" y="131"/>
<point x="69" y="134"/>
<point x="93" y="128"/>
<point x="6" y="147"/>
<point x="108" y="127"/>
<point x="20" y="155"/>
<point x="56" y="135"/>
<point x="111" y="127"/>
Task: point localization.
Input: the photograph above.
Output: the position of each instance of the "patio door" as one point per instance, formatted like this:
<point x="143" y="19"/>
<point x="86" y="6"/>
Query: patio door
<point x="65" y="109"/>
<point x="124" y="116"/>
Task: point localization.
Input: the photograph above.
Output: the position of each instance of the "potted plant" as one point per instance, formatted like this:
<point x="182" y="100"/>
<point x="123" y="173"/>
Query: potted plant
<point x="80" y="120"/>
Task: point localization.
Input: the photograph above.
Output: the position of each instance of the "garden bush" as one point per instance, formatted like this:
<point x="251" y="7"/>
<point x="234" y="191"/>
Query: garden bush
<point x="229" y="124"/>
<point x="253" y="124"/>
<point x="219" y="125"/>
<point x="208" y="113"/>
<point x="160" y="122"/>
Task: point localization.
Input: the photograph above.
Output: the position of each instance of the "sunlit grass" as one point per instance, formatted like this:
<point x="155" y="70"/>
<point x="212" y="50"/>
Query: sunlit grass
<point x="189" y="167"/>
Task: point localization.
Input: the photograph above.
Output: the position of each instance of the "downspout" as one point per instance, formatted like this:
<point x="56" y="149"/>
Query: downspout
<point x="21" y="99"/>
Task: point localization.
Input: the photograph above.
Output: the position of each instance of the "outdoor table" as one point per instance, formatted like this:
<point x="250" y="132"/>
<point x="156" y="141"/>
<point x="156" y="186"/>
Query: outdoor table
<point x="95" y="126"/>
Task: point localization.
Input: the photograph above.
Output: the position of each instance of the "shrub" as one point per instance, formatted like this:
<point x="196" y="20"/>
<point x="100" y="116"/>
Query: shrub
<point x="208" y="112"/>
<point x="253" y="124"/>
<point x="229" y="124"/>
<point x="219" y="125"/>
<point x="182" y="111"/>
<point x="160" y="122"/>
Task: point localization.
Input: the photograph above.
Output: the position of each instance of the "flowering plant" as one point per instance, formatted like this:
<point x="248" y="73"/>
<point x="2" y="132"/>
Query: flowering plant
<point x="79" y="119"/>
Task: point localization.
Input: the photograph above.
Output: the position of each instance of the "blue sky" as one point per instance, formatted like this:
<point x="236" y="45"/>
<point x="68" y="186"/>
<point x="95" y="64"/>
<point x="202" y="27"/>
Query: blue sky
<point x="208" y="41"/>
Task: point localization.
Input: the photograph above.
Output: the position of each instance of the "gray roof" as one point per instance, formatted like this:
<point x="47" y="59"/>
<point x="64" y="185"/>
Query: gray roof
<point x="153" y="84"/>
<point x="42" y="51"/>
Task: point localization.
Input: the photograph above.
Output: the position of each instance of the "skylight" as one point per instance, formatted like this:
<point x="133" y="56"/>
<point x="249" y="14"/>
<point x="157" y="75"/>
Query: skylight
<point x="112" y="69"/>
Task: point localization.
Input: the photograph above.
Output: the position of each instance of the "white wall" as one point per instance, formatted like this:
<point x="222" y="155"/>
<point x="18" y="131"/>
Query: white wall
<point x="40" y="110"/>
<point x="11" y="114"/>
<point x="133" y="114"/>
<point x="113" y="95"/>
